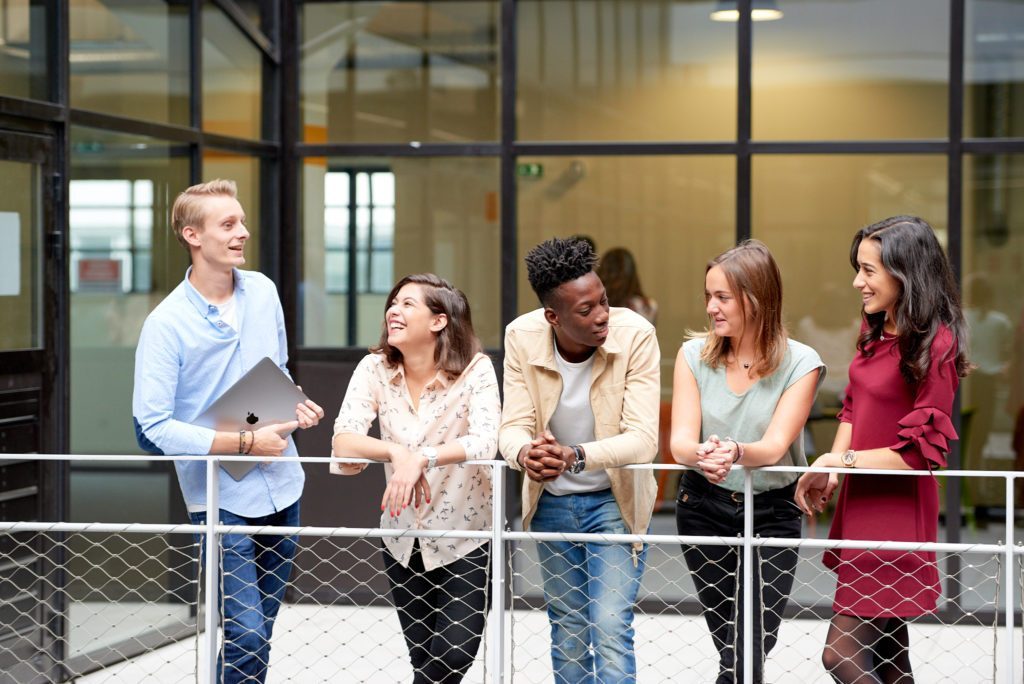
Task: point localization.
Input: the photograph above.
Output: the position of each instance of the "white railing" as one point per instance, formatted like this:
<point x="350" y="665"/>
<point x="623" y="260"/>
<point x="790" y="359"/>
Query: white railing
<point x="501" y="648"/>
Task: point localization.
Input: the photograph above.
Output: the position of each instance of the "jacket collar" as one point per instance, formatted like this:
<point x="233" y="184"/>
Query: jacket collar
<point x="544" y="355"/>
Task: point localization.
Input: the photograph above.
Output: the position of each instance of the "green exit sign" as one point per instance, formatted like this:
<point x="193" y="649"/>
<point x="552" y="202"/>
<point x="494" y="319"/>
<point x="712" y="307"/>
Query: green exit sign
<point x="529" y="170"/>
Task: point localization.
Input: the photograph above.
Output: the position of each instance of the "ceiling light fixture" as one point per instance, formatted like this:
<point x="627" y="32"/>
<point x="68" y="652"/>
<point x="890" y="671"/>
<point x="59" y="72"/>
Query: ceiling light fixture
<point x="760" y="10"/>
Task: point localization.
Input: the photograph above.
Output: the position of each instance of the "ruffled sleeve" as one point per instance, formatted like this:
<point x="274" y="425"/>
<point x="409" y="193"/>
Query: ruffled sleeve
<point x="924" y="438"/>
<point x="926" y="430"/>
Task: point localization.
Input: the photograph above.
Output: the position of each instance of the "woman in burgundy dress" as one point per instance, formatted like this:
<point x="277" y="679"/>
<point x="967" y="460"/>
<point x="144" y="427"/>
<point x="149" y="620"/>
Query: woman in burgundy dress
<point x="896" y="415"/>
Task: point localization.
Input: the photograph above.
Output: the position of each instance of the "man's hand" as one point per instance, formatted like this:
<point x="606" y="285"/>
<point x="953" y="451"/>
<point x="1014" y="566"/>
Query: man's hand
<point x="308" y="413"/>
<point x="544" y="458"/>
<point x="270" y="440"/>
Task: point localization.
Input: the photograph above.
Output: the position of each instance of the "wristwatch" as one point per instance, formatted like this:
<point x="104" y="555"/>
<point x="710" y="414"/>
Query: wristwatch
<point x="849" y="458"/>
<point x="581" y="460"/>
<point x="431" y="454"/>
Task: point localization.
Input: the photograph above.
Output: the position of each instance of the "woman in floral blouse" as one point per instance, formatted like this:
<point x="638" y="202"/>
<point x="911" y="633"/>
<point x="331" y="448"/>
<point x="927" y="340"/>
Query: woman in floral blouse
<point x="436" y="396"/>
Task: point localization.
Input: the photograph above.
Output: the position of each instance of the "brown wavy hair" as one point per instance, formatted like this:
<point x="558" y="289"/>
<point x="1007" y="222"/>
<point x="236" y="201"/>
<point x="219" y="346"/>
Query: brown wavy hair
<point x="456" y="344"/>
<point x="756" y="282"/>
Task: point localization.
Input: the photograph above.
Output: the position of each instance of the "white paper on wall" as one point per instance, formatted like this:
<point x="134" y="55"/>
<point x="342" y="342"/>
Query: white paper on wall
<point x="10" y="254"/>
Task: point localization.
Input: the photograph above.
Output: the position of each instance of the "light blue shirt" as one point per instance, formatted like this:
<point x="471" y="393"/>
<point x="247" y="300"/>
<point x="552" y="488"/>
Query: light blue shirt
<point x="187" y="357"/>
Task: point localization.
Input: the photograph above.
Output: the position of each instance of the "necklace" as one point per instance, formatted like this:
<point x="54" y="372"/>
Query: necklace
<point x="745" y="364"/>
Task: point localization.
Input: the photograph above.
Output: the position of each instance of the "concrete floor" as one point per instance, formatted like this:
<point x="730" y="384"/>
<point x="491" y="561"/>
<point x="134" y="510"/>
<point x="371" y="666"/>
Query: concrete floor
<point x="354" y="644"/>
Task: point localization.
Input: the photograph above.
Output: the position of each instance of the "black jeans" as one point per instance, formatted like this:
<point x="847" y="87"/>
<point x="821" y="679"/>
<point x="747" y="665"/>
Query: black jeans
<point x="442" y="612"/>
<point x="705" y="509"/>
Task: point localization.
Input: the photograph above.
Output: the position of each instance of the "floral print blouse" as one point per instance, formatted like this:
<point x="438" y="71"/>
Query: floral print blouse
<point x="465" y="409"/>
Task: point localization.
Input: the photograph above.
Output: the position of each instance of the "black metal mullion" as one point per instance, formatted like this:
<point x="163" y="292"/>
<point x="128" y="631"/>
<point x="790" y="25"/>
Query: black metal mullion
<point x="744" y="65"/>
<point x="484" y="149"/>
<point x="253" y="33"/>
<point x="507" y="165"/>
<point x="57" y="415"/>
<point x="289" y="233"/>
<point x="195" y="115"/>
<point x="120" y="124"/>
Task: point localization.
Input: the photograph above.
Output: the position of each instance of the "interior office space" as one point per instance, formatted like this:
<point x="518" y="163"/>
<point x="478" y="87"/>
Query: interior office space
<point x="374" y="139"/>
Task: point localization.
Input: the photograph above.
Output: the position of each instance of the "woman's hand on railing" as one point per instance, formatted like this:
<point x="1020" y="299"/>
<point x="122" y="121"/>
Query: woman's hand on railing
<point x="815" y="489"/>
<point x="408" y="483"/>
<point x="715" y="459"/>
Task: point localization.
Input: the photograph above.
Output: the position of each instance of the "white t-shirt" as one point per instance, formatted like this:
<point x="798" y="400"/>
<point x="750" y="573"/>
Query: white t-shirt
<point x="229" y="312"/>
<point x="573" y="423"/>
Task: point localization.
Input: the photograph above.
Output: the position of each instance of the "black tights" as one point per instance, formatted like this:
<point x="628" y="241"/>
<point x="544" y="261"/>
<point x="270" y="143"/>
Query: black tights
<point x="868" y="651"/>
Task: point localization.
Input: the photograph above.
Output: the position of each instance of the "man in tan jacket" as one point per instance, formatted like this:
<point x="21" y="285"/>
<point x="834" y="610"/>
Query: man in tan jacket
<point x="582" y="387"/>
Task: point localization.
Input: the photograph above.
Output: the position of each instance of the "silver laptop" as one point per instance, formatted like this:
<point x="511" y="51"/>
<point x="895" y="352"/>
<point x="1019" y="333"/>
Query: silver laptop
<point x="263" y="396"/>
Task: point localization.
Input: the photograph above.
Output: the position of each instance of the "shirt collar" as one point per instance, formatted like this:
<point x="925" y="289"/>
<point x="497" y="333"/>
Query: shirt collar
<point x="200" y="302"/>
<point x="396" y="374"/>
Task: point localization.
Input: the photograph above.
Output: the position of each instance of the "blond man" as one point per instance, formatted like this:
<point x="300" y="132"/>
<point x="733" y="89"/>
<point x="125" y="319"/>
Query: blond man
<point x="212" y="328"/>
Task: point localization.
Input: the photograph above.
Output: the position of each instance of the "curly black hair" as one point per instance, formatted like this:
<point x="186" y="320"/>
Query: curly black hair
<point x="558" y="261"/>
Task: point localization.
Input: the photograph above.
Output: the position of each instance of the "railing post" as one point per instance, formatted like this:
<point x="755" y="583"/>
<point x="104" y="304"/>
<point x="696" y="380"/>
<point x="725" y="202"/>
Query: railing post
<point x="1010" y="611"/>
<point x="748" y="575"/>
<point x="497" y="617"/>
<point x="208" y="666"/>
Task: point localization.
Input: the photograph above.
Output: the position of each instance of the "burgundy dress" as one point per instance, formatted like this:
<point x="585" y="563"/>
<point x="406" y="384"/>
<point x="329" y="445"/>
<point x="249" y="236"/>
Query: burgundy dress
<point x="914" y="420"/>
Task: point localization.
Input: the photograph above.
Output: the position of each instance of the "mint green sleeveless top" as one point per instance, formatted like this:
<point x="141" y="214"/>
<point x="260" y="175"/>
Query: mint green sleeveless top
<point x="745" y="417"/>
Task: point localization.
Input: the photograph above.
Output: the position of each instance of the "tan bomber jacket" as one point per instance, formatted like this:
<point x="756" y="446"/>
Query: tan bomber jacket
<point x="625" y="395"/>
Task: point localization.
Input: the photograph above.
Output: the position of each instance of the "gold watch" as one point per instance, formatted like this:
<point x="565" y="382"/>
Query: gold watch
<point x="849" y="458"/>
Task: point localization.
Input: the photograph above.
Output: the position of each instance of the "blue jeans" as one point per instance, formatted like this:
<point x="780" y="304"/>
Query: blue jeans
<point x="590" y="589"/>
<point x="256" y="570"/>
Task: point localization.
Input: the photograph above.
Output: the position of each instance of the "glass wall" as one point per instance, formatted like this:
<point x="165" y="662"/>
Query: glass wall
<point x="672" y="213"/>
<point x="368" y="222"/>
<point x="399" y="71"/>
<point x="806" y="208"/>
<point x="631" y="70"/>
<point x="124" y="260"/>
<point x="993" y="395"/>
<point x="852" y="69"/>
<point x="232" y="78"/>
<point x="23" y="44"/>
<point x="131" y="58"/>
<point x="994" y="69"/>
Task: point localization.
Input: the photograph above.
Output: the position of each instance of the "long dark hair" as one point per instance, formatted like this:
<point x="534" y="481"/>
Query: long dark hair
<point x="928" y="298"/>
<point x="457" y="344"/>
<point x="617" y="271"/>
<point x="754" y="278"/>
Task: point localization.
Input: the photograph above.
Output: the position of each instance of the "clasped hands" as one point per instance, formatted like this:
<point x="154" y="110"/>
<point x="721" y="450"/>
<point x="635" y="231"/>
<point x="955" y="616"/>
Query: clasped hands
<point x="715" y="458"/>
<point x="545" y="459"/>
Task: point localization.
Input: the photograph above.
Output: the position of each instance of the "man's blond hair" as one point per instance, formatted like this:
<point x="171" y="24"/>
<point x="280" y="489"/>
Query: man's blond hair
<point x="188" y="209"/>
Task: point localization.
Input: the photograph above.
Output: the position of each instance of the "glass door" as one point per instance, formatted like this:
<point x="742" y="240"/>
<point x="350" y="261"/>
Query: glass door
<point x="31" y="394"/>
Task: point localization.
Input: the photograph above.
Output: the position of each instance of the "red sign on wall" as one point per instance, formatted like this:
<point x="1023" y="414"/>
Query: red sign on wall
<point x="99" y="275"/>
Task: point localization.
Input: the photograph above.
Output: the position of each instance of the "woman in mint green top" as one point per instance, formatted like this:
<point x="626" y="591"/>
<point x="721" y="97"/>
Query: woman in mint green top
<point x="742" y="393"/>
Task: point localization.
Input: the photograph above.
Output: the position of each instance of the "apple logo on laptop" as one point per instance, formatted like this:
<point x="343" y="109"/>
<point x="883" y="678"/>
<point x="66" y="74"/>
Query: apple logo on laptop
<point x="251" y="419"/>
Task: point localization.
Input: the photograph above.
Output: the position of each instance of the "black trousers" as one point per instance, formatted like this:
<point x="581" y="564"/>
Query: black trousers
<point x="705" y="509"/>
<point x="442" y="612"/>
